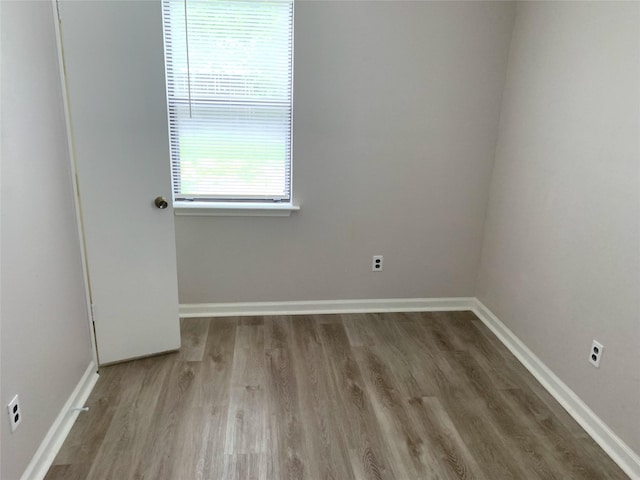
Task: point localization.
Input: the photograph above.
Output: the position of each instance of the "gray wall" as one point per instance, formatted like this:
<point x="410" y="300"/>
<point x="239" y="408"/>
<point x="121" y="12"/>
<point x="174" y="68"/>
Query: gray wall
<point x="560" y="263"/>
<point x="45" y="335"/>
<point x="395" y="123"/>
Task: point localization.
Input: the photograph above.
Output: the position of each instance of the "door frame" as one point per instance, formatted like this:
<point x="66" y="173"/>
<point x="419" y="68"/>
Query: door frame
<point x="77" y="202"/>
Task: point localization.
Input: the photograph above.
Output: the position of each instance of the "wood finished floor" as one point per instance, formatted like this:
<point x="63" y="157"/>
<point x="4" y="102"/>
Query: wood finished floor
<point x="360" y="396"/>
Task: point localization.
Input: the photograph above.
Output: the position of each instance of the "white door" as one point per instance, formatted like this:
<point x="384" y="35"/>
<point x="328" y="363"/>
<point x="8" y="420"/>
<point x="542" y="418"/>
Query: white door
<point x="114" y="65"/>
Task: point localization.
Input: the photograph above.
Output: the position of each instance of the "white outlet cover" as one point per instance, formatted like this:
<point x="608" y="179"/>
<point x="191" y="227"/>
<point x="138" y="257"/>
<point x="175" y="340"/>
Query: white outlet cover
<point x="376" y="264"/>
<point x="596" y="349"/>
<point x="14" y="412"/>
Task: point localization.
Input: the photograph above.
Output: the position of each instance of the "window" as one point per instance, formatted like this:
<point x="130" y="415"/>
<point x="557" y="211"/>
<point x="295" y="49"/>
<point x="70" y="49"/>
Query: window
<point x="229" y="95"/>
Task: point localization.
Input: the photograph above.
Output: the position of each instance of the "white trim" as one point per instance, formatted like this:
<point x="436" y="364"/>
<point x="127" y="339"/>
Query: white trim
<point x="74" y="179"/>
<point x="43" y="458"/>
<point x="316" y="307"/>
<point x="233" y="209"/>
<point x="618" y="450"/>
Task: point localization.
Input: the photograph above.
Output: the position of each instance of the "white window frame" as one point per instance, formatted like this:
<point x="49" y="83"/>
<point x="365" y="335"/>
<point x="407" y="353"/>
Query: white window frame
<point x="183" y="205"/>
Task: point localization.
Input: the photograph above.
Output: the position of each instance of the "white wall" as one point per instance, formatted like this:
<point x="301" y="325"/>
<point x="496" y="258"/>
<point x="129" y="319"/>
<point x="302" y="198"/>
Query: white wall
<point x="560" y="264"/>
<point x="395" y="121"/>
<point x="45" y="335"/>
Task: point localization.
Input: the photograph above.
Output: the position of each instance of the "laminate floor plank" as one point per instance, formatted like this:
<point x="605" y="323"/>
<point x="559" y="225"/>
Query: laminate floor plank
<point x="316" y="393"/>
<point x="158" y="459"/>
<point x="290" y="460"/>
<point x="434" y="324"/>
<point x="404" y="441"/>
<point x="88" y="433"/>
<point x="127" y="433"/>
<point x="212" y="392"/>
<point x="354" y="410"/>
<point x="215" y="417"/>
<point x="244" y="466"/>
<point x="391" y="343"/>
<point x="454" y="458"/>
<point x="358" y="329"/>
<point x="527" y="382"/>
<point x="406" y="396"/>
<point x="459" y="326"/>
<point x="579" y="459"/>
<point x="534" y="455"/>
<point x="191" y="443"/>
<point x="215" y="369"/>
<point x="194" y="333"/>
<point x="247" y="413"/>
<point x="67" y="472"/>
<point x="429" y="364"/>
<point x="254" y="320"/>
<point x="488" y="446"/>
<point x="328" y="318"/>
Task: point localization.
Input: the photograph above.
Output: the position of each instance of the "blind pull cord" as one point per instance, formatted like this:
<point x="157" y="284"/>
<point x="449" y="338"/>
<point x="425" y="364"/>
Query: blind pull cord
<point x="186" y="33"/>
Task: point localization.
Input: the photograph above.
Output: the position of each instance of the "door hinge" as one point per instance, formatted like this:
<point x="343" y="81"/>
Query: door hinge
<point x="58" y="10"/>
<point x="93" y="313"/>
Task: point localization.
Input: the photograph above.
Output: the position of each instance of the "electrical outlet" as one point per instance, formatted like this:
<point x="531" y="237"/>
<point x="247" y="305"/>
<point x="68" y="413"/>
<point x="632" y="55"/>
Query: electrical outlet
<point x="376" y="265"/>
<point x="596" y="353"/>
<point x="15" y="413"/>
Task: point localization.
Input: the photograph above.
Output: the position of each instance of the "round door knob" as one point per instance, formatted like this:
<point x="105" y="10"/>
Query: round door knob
<point x="161" y="203"/>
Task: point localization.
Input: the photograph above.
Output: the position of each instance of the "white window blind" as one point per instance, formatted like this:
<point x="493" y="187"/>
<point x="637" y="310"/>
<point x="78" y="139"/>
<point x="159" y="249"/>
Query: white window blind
<point x="229" y="92"/>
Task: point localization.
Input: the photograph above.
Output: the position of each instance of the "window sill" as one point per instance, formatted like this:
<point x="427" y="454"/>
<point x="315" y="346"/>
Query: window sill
<point x="205" y="209"/>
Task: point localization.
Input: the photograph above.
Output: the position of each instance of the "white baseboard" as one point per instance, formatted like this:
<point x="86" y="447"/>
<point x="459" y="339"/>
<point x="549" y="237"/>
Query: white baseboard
<point x="316" y="307"/>
<point x="44" y="456"/>
<point x="619" y="451"/>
